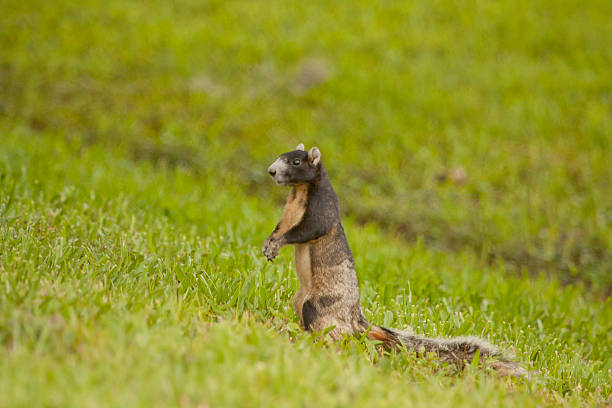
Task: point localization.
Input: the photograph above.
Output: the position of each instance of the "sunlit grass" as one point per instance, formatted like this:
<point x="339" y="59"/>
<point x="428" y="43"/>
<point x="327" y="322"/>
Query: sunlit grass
<point x="116" y="288"/>
<point x="470" y="145"/>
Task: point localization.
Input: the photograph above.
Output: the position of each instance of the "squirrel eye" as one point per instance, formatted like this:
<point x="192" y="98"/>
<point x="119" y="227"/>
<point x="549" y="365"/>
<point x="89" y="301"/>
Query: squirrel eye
<point x="296" y="162"/>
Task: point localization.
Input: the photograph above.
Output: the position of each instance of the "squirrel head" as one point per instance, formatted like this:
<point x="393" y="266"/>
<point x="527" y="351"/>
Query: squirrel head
<point x="297" y="166"/>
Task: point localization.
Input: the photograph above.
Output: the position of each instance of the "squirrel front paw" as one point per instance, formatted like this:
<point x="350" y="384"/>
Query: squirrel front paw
<point x="270" y="248"/>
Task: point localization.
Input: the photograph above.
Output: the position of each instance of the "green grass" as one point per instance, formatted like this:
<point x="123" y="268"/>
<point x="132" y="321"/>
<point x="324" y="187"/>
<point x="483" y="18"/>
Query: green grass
<point x="517" y="94"/>
<point x="134" y="138"/>
<point x="119" y="285"/>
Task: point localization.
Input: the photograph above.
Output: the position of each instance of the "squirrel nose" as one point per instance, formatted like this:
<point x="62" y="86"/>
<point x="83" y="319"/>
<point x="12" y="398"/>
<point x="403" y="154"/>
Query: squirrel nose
<point x="272" y="172"/>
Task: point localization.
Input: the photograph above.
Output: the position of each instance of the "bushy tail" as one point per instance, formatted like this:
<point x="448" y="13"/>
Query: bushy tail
<point x="457" y="351"/>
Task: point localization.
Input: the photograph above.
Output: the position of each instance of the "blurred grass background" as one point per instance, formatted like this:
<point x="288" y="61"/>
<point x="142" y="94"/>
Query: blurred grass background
<point x="484" y="126"/>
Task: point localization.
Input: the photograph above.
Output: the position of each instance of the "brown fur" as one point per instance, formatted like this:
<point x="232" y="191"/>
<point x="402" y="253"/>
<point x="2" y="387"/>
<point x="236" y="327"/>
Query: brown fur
<point x="294" y="209"/>
<point x="304" y="272"/>
<point x="376" y="333"/>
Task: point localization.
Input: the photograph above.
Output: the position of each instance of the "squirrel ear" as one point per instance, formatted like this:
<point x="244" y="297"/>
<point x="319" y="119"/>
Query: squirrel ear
<point x="300" y="147"/>
<point x="314" y="156"/>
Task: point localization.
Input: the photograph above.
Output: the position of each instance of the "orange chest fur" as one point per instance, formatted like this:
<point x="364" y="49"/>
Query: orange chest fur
<point x="294" y="209"/>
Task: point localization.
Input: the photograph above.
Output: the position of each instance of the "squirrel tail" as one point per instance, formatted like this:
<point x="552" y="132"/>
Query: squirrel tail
<point x="457" y="351"/>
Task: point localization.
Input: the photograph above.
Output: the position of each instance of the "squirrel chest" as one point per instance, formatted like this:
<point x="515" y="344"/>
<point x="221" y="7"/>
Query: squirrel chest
<point x="293" y="213"/>
<point x="294" y="209"/>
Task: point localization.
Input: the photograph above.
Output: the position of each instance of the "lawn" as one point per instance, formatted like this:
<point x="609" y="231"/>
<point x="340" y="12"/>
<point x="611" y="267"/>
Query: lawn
<point x="470" y="145"/>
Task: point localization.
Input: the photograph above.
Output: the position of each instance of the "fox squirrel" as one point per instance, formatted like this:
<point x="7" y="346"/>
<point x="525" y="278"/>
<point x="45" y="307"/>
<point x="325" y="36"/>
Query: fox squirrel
<point x="329" y="292"/>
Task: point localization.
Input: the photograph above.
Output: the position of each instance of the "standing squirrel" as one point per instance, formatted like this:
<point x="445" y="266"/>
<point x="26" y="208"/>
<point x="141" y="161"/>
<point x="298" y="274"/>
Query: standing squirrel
<point x="329" y="293"/>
